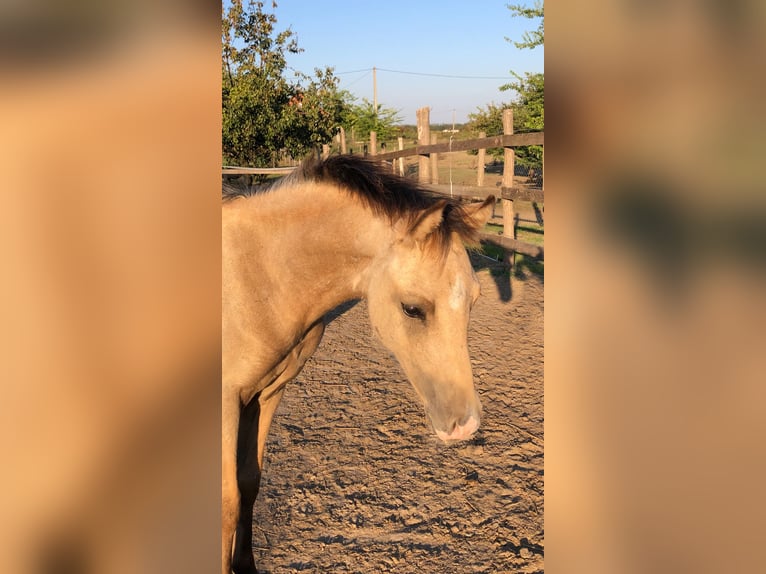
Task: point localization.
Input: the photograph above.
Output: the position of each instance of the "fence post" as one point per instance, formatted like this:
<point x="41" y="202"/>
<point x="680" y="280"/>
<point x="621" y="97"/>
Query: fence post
<point x="401" y="159"/>
<point x="480" y="164"/>
<point x="434" y="161"/>
<point x="342" y="141"/>
<point x="424" y="138"/>
<point x="509" y="156"/>
<point x="373" y="143"/>
<point x="509" y="219"/>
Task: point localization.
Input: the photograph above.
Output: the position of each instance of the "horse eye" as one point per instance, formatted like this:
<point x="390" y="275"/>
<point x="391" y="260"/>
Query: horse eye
<point x="413" y="312"/>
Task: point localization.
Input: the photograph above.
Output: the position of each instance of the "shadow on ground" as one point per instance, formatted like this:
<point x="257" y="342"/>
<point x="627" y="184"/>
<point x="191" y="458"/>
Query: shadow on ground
<point x="524" y="269"/>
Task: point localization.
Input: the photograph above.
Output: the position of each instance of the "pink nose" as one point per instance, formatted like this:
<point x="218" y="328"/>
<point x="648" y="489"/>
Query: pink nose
<point x="460" y="432"/>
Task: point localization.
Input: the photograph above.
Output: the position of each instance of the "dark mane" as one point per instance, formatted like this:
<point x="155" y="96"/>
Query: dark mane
<point x="383" y="192"/>
<point x="234" y="189"/>
<point x="380" y="190"/>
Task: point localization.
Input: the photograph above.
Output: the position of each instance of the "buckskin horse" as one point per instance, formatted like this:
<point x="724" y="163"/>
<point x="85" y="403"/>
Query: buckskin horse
<point x="332" y="231"/>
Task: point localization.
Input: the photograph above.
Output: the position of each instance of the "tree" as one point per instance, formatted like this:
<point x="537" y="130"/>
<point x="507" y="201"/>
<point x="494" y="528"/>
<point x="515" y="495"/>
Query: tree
<point x="528" y="116"/>
<point x="364" y="118"/>
<point x="315" y="114"/>
<point x="529" y="105"/>
<point x="529" y="108"/>
<point x="535" y="38"/>
<point x="490" y="121"/>
<point x="264" y="115"/>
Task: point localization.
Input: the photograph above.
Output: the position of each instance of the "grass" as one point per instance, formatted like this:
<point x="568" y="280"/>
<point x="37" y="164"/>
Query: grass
<point x="527" y="231"/>
<point x="530" y="234"/>
<point x="493" y="251"/>
<point x="523" y="265"/>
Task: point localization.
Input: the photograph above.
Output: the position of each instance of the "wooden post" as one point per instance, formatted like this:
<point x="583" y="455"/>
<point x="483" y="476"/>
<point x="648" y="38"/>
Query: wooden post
<point x="424" y="138"/>
<point x="373" y="143"/>
<point x="509" y="227"/>
<point x="509" y="155"/>
<point x="325" y="151"/>
<point x="434" y="161"/>
<point x="342" y="141"/>
<point x="509" y="219"/>
<point x="401" y="159"/>
<point x="480" y="164"/>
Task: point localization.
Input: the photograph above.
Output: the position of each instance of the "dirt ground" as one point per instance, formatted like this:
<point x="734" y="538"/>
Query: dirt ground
<point x="356" y="481"/>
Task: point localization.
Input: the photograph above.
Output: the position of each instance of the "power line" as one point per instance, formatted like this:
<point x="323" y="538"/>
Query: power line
<point x="353" y="71"/>
<point x="446" y="75"/>
<point x="453" y="76"/>
<point x="360" y="78"/>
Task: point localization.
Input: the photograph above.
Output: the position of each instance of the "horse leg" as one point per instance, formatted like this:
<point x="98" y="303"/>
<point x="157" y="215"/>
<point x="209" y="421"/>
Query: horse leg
<point x="256" y="420"/>
<point x="248" y="478"/>
<point x="230" y="408"/>
<point x="254" y="429"/>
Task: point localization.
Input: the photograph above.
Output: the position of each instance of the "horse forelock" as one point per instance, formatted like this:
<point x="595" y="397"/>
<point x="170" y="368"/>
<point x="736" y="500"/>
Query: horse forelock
<point x="457" y="228"/>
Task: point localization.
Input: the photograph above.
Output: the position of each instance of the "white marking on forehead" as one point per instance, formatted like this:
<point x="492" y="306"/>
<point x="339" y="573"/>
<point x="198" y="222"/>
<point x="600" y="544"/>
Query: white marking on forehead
<point x="457" y="296"/>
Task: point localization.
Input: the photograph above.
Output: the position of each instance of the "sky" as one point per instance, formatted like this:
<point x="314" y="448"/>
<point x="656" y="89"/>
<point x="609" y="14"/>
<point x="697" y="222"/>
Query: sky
<point x="443" y="37"/>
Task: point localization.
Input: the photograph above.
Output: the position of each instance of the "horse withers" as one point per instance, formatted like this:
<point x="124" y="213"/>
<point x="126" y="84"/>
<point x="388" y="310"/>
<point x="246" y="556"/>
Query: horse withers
<point x="335" y="230"/>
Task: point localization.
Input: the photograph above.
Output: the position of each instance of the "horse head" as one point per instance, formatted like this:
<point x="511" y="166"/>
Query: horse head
<point x="420" y="297"/>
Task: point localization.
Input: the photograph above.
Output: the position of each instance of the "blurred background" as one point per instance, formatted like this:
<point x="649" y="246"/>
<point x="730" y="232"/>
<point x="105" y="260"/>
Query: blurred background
<point x="110" y="409"/>
<point x="654" y="302"/>
<point x="110" y="151"/>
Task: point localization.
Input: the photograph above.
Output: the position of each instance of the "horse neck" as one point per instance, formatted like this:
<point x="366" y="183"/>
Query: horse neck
<point x="323" y="244"/>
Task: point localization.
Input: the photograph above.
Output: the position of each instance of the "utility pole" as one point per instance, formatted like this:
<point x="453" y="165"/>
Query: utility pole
<point x="374" y="91"/>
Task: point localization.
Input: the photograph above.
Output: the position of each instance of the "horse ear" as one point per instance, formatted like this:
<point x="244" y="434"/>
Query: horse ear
<point x="428" y="221"/>
<point x="479" y="213"/>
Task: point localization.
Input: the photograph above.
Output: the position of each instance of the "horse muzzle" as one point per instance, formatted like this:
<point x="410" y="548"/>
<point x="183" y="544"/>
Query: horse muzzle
<point x="458" y="425"/>
<point x="462" y="431"/>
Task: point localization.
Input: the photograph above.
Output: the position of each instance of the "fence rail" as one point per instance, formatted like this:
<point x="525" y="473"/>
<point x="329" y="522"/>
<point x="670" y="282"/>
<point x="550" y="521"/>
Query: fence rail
<point x="510" y="244"/>
<point x="508" y="140"/>
<point x="231" y="170"/>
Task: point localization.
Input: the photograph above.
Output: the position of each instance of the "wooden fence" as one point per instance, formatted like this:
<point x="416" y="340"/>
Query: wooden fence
<point x="427" y="151"/>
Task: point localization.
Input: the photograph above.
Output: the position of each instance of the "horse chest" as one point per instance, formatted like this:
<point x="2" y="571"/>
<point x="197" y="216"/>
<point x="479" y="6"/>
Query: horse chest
<point x="290" y="363"/>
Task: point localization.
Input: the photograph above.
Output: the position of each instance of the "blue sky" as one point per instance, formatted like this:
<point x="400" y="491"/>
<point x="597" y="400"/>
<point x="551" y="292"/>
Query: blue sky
<point x="449" y="37"/>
